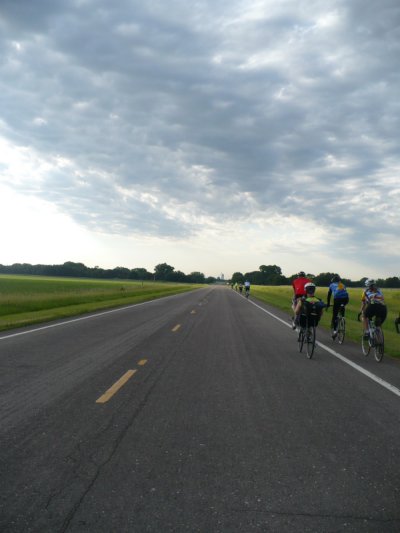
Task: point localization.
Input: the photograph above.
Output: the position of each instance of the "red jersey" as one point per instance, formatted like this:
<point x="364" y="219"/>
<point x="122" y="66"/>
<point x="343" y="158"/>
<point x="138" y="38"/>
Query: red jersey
<point x="298" y="286"/>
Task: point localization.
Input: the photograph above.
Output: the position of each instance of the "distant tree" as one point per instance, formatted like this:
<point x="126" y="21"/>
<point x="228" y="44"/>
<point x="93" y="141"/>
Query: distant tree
<point x="69" y="268"/>
<point x="176" y="276"/>
<point x="121" y="273"/>
<point x="140" y="273"/>
<point x="324" y="279"/>
<point x="393" y="282"/>
<point x="237" y="277"/>
<point x="256" y="277"/>
<point x="196" y="277"/>
<point x="272" y="275"/>
<point x="210" y="280"/>
<point x="162" y="271"/>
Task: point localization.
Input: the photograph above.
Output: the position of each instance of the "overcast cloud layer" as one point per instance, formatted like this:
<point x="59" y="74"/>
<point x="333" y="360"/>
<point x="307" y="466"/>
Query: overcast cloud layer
<point x="173" y="118"/>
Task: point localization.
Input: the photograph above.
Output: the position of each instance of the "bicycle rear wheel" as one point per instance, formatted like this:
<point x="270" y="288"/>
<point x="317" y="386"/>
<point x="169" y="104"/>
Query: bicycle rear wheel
<point x="379" y="345"/>
<point x="300" y="339"/>
<point x="341" y="329"/>
<point x="310" y="341"/>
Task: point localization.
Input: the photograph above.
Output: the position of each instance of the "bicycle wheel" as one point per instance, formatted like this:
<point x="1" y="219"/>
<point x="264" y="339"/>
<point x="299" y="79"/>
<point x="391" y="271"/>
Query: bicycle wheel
<point x="379" y="345"/>
<point x="300" y="339"/>
<point x="365" y="345"/>
<point x="310" y="341"/>
<point x="341" y="329"/>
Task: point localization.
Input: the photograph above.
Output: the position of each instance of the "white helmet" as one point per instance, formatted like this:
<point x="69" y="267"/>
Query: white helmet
<point x="309" y="287"/>
<point x="369" y="282"/>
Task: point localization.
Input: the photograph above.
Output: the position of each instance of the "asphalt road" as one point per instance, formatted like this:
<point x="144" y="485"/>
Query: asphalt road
<point x="195" y="413"/>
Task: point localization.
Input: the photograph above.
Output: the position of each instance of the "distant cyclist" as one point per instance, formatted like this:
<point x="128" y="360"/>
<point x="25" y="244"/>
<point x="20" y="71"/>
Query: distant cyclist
<point x="307" y="302"/>
<point x="247" y="288"/>
<point x="340" y="297"/>
<point x="240" y="287"/>
<point x="372" y="305"/>
<point x="298" y="289"/>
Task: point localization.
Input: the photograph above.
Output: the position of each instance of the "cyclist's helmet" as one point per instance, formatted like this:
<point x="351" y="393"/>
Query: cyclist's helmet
<point x="309" y="287"/>
<point x="369" y="282"/>
<point x="301" y="274"/>
<point x="335" y="279"/>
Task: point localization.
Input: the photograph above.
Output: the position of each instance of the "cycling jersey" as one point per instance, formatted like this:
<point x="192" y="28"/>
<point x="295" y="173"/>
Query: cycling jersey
<point x="338" y="289"/>
<point x="373" y="297"/>
<point x="298" y="286"/>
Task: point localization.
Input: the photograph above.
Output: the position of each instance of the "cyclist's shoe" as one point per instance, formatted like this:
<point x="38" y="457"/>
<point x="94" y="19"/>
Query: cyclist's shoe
<point x="334" y="334"/>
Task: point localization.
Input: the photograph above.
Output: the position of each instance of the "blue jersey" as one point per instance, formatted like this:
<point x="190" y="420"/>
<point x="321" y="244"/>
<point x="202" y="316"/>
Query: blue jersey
<point x="338" y="290"/>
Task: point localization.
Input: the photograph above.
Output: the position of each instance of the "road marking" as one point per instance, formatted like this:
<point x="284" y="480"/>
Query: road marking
<point x="359" y="368"/>
<point x="142" y="362"/>
<point x="115" y="388"/>
<point x="193" y="312"/>
<point x="176" y="327"/>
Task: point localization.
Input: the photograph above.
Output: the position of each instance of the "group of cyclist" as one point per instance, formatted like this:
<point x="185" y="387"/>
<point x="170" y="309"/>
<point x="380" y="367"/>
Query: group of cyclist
<point x="239" y="287"/>
<point x="372" y="302"/>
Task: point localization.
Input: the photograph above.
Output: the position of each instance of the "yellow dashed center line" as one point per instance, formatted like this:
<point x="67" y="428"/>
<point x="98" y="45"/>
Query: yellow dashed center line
<point x="176" y="327"/>
<point x="117" y="385"/>
<point x="193" y="312"/>
<point x="142" y="362"/>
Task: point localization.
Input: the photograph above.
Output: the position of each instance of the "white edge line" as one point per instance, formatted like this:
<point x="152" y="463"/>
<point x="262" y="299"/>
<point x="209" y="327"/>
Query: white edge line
<point x="84" y="318"/>
<point x="370" y="375"/>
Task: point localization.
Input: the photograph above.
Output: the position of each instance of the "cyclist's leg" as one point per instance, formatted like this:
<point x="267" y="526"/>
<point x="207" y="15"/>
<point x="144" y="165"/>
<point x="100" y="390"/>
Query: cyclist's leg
<point x="366" y="316"/>
<point x="335" y="310"/>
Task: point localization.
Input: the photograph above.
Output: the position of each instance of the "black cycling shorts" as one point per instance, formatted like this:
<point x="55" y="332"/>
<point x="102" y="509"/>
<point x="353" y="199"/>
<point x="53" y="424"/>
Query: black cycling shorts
<point x="376" y="310"/>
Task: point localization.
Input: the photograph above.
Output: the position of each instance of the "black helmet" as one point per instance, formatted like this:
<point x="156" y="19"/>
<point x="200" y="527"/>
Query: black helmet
<point x="301" y="274"/>
<point x="335" y="278"/>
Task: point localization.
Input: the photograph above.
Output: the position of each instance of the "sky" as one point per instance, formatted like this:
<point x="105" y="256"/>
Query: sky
<point x="215" y="136"/>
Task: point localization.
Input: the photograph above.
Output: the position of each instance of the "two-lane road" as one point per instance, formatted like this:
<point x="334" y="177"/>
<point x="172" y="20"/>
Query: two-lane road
<point x="194" y="413"/>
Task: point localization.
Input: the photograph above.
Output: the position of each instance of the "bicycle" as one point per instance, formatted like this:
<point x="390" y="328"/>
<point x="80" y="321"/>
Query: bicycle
<point x="340" y="326"/>
<point x="397" y="324"/>
<point x="246" y="292"/>
<point x="307" y="335"/>
<point x="375" y="340"/>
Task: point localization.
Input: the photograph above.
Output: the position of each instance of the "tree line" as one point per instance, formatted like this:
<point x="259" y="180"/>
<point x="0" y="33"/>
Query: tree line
<point x="265" y="275"/>
<point x="162" y="272"/>
<point x="272" y="275"/>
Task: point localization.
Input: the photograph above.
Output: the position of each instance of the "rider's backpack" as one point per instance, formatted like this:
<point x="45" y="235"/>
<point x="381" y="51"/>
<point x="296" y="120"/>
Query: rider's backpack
<point x="311" y="312"/>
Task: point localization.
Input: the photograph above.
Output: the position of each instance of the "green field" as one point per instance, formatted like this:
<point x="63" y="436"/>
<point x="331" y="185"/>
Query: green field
<point x="28" y="300"/>
<point x="281" y="297"/>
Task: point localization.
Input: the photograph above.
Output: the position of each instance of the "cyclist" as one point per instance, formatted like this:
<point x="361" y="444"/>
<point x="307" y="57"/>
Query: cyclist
<point x="340" y="297"/>
<point x="298" y="290"/>
<point x="307" y="302"/>
<point x="240" y="287"/>
<point x="372" y="305"/>
<point x="247" y="287"/>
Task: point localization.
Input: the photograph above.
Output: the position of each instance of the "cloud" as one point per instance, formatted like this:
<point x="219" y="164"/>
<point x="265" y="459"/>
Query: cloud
<point x="168" y="119"/>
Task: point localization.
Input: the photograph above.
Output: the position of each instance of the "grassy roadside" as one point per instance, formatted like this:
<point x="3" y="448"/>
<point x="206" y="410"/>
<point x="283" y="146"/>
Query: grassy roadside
<point x="281" y="296"/>
<point x="26" y="300"/>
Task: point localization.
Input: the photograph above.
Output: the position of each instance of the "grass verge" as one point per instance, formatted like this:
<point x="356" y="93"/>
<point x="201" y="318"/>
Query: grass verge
<point x="26" y="300"/>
